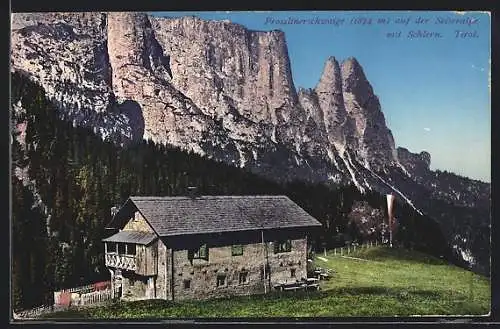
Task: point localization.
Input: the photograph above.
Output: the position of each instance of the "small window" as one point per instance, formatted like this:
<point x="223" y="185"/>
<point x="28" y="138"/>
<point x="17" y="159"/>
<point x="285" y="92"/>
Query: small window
<point x="121" y="248"/>
<point x="111" y="247"/>
<point x="200" y="253"/>
<point x="243" y="277"/>
<point x="131" y="250"/>
<point x="292" y="273"/>
<point x="237" y="250"/>
<point x="187" y="284"/>
<point x="131" y="282"/>
<point x="282" y="246"/>
<point x="221" y="280"/>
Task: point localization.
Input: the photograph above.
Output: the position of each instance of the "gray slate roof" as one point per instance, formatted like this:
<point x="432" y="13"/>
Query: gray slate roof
<point x="132" y="237"/>
<point x="171" y="216"/>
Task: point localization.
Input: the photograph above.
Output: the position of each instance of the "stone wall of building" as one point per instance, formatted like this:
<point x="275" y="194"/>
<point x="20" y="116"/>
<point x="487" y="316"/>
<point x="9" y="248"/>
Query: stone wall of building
<point x="198" y="278"/>
<point x="134" y="286"/>
<point x="202" y="275"/>
<point x="283" y="264"/>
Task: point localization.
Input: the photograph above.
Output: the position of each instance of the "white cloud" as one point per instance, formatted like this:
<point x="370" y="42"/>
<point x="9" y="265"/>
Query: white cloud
<point x="427" y="129"/>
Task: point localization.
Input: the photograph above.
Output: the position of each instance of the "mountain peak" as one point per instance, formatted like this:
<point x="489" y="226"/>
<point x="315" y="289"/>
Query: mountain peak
<point x="353" y="77"/>
<point x="351" y="60"/>
<point x="332" y="59"/>
<point x="331" y="79"/>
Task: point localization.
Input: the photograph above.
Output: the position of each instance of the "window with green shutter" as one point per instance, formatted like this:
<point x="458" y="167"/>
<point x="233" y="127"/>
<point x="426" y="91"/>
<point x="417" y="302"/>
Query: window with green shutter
<point x="282" y="246"/>
<point x="200" y="253"/>
<point x="237" y="250"/>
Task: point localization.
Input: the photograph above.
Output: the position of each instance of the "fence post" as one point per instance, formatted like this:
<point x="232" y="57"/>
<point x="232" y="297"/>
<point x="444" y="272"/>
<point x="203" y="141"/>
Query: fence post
<point x="335" y="251"/>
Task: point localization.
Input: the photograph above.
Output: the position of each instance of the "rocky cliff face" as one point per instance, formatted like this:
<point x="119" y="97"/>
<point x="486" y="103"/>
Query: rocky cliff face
<point x="223" y="91"/>
<point x="211" y="87"/>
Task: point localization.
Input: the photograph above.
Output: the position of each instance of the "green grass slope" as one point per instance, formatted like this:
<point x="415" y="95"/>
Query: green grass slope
<point x="378" y="281"/>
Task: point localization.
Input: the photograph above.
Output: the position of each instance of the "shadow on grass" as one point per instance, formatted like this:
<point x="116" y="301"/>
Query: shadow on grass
<point x="310" y="295"/>
<point x="70" y="314"/>
<point x="401" y="293"/>
<point x="429" y="294"/>
<point x="385" y="253"/>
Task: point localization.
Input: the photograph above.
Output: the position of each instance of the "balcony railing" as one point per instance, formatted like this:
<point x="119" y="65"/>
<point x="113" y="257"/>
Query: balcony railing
<point x="125" y="262"/>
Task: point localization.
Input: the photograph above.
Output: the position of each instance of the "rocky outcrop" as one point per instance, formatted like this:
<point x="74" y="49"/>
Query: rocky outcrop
<point x="415" y="164"/>
<point x="66" y="53"/>
<point x="374" y="141"/>
<point x="330" y="98"/>
<point x="141" y="74"/>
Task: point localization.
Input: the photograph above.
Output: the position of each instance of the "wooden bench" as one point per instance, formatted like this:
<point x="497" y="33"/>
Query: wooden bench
<point x="311" y="280"/>
<point x="305" y="284"/>
<point x="324" y="276"/>
<point x="292" y="288"/>
<point x="313" y="286"/>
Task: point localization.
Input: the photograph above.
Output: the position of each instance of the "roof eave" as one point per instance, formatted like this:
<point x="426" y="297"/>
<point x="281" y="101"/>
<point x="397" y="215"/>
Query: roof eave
<point x="242" y="230"/>
<point x="108" y="226"/>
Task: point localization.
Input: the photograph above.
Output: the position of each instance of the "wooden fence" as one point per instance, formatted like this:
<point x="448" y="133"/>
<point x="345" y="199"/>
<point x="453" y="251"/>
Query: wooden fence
<point x="72" y="296"/>
<point x="76" y="300"/>
<point x="87" y="288"/>
<point x="95" y="297"/>
<point x="346" y="250"/>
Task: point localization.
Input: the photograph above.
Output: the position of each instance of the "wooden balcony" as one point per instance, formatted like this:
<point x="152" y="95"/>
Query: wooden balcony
<point x="124" y="262"/>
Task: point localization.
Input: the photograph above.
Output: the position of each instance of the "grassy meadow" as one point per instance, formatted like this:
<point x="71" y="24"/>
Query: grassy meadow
<point x="378" y="281"/>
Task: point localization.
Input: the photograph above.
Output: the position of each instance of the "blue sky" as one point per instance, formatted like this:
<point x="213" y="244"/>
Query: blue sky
<point x="433" y="91"/>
